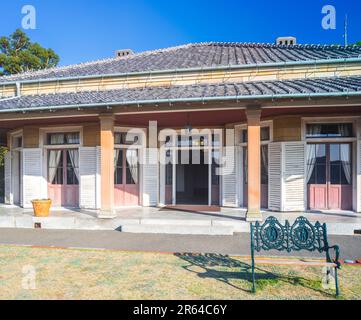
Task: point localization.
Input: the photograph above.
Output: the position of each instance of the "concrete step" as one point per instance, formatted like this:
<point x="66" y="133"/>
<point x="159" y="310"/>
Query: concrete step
<point x="178" y="229"/>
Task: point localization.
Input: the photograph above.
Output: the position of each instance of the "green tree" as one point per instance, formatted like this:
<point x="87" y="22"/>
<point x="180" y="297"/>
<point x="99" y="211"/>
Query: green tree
<point x="3" y="152"/>
<point x="19" y="54"/>
<point x="358" y="43"/>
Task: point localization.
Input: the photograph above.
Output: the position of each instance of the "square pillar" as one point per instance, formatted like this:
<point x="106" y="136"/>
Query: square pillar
<point x="254" y="164"/>
<point x="107" y="166"/>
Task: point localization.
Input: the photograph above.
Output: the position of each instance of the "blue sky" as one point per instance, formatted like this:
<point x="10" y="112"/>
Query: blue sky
<point x="85" y="30"/>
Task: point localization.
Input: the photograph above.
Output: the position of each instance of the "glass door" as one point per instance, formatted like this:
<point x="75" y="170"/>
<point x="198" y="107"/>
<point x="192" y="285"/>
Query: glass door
<point x="126" y="177"/>
<point x="63" y="177"/>
<point x="329" y="176"/>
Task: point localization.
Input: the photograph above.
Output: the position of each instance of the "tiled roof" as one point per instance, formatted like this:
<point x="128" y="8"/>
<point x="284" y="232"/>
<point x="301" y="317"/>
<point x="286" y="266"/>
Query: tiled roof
<point x="201" y="55"/>
<point x="247" y="90"/>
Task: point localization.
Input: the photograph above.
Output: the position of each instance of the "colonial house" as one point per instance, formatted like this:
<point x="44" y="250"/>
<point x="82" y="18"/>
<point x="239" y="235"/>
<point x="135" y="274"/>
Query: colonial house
<point x="275" y="127"/>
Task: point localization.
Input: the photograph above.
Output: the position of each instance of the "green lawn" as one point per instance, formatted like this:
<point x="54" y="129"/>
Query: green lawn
<point x="96" y="274"/>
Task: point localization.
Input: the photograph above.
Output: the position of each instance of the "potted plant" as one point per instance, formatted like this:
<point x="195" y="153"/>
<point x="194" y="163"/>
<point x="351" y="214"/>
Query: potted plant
<point x="41" y="207"/>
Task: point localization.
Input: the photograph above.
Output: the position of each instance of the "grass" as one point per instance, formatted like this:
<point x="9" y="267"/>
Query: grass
<point x="96" y="274"/>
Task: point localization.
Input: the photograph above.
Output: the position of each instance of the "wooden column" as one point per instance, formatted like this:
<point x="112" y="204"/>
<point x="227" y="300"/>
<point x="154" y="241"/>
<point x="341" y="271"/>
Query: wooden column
<point x="107" y="166"/>
<point x="254" y="164"/>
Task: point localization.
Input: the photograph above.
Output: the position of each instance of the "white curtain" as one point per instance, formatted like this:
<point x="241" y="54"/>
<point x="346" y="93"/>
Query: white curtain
<point x="72" y="138"/>
<point x="74" y="158"/>
<point x="57" y="138"/>
<point x="54" y="161"/>
<point x="116" y="158"/>
<point x="346" y="163"/>
<point x="132" y="159"/>
<point x="311" y="160"/>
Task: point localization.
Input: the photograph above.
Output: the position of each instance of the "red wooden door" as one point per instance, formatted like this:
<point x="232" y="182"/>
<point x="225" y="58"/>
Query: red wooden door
<point x="126" y="188"/>
<point x="63" y="181"/>
<point x="329" y="176"/>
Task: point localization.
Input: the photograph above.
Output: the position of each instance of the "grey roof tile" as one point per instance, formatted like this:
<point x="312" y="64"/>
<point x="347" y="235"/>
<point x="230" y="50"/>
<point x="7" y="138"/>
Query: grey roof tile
<point x="199" y="55"/>
<point x="322" y="86"/>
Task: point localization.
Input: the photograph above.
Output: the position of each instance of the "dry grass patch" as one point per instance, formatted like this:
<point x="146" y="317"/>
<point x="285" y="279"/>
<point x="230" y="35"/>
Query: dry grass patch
<point x="95" y="274"/>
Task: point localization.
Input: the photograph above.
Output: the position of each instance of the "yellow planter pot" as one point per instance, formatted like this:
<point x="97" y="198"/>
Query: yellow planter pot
<point x="41" y="207"/>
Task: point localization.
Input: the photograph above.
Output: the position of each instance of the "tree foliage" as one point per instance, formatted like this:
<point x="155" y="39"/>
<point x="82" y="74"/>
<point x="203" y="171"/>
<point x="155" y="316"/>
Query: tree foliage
<point x="19" y="54"/>
<point x="3" y="152"/>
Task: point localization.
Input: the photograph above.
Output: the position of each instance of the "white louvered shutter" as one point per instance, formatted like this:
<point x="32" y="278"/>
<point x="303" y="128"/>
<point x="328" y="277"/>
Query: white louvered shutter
<point x="229" y="178"/>
<point x="88" y="171"/>
<point x="275" y="176"/>
<point x="32" y="176"/>
<point x="7" y="178"/>
<point x="294" y="176"/>
<point x="150" y="177"/>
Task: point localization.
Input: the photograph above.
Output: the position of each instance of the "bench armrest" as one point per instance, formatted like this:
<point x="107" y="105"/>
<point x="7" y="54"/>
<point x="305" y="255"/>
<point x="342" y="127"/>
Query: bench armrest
<point x="336" y="250"/>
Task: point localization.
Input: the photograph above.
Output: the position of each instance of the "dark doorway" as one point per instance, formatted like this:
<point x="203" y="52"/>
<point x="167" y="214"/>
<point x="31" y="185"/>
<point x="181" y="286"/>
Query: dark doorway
<point x="192" y="177"/>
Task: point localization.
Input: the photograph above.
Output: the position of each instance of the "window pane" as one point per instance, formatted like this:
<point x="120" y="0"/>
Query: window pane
<point x="265" y="134"/>
<point x="132" y="167"/>
<point x="335" y="153"/>
<point x="118" y="168"/>
<point x="118" y="175"/>
<point x="320" y="153"/>
<point x="72" y="158"/>
<point x="215" y="168"/>
<point x="346" y="178"/>
<point x="313" y="175"/>
<point x="335" y="173"/>
<point x="245" y="165"/>
<point x="168" y="168"/>
<point x="72" y="138"/>
<point x="63" y="138"/>
<point x="321" y="174"/>
<point x="344" y="130"/>
<point x="55" y="167"/>
<point x="244" y="137"/>
<point x="346" y="164"/>
<point x="264" y="165"/>
<point x="126" y="138"/>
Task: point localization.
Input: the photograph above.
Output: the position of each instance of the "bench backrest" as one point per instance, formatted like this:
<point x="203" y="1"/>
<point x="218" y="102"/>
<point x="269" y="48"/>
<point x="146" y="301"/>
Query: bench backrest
<point x="301" y="235"/>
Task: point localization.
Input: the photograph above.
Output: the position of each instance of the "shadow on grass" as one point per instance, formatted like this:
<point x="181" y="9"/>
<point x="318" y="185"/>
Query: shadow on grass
<point x="226" y="269"/>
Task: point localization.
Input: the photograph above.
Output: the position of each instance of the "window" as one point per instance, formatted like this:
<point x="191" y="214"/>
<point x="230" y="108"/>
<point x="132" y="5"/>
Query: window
<point x="72" y="169"/>
<point x="264" y="164"/>
<point x="168" y="168"/>
<point x="340" y="164"/>
<point x="126" y="138"/>
<point x="316" y="163"/>
<point x="265" y="135"/>
<point x="343" y="130"/>
<point x="215" y="167"/>
<point x="118" y="179"/>
<point x="132" y="166"/>
<point x="63" y="138"/>
<point x="55" y="160"/>
<point x="17" y="142"/>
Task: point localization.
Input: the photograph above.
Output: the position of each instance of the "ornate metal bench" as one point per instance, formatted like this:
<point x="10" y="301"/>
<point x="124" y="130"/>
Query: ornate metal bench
<point x="302" y="235"/>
